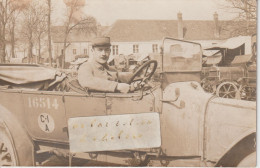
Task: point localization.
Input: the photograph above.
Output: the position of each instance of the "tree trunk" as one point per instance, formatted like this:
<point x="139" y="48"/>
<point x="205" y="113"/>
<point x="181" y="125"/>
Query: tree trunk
<point x="39" y="51"/>
<point x="2" y="33"/>
<point x="49" y="33"/>
<point x="2" y="54"/>
<point x="38" y="56"/>
<point x="63" y="55"/>
<point x="12" y="41"/>
<point x="64" y="50"/>
<point x="3" y="45"/>
<point x="30" y="54"/>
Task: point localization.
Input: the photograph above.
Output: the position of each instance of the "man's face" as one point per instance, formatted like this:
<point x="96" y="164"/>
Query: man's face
<point x="101" y="54"/>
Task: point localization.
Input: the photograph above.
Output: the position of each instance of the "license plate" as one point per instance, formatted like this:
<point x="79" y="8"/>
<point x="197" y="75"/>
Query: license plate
<point x="114" y="132"/>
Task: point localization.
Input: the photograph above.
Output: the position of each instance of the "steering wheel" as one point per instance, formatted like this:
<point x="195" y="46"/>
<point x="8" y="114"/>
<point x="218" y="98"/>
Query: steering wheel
<point x="144" y="72"/>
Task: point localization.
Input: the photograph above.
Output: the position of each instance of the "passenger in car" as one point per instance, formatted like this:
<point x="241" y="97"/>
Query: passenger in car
<point x="96" y="75"/>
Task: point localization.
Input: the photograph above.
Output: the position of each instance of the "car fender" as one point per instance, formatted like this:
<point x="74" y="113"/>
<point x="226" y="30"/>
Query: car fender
<point x="228" y="121"/>
<point x="234" y="147"/>
<point x="21" y="140"/>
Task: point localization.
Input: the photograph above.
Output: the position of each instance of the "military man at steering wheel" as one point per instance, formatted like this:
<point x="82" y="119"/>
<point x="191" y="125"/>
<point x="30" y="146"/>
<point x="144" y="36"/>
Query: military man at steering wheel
<point x="97" y="76"/>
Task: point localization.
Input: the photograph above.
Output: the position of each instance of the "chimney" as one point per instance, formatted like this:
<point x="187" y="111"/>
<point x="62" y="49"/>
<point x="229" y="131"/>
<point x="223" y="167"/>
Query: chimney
<point x="216" y="23"/>
<point x="180" y="26"/>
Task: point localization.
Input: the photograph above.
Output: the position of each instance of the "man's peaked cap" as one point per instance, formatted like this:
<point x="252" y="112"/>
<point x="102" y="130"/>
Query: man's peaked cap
<point x="101" y="41"/>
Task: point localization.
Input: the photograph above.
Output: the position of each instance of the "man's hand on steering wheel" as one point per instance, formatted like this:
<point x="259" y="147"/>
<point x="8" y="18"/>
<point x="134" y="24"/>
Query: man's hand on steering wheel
<point x="136" y="86"/>
<point x="142" y="75"/>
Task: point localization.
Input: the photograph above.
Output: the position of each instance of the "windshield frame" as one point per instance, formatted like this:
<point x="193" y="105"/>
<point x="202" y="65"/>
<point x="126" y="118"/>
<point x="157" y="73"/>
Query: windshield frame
<point x="162" y="55"/>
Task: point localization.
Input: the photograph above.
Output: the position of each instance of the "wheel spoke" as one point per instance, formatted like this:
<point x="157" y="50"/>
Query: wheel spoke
<point x="231" y="96"/>
<point x="6" y="156"/>
<point x="5" y="163"/>
<point x="224" y="96"/>
<point x="224" y="88"/>
<point x="1" y="148"/>
<point x="229" y="87"/>
<point x="146" y="70"/>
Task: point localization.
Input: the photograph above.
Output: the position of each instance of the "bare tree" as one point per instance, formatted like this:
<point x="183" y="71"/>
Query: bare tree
<point x="7" y="9"/>
<point x="49" y="32"/>
<point x="245" y="21"/>
<point x="40" y="29"/>
<point x="12" y="30"/>
<point x="34" y="25"/>
<point x="75" y="19"/>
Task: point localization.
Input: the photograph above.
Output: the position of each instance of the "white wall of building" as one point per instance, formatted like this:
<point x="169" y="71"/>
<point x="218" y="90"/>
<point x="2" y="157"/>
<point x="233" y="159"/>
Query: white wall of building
<point x="70" y="56"/>
<point x="126" y="48"/>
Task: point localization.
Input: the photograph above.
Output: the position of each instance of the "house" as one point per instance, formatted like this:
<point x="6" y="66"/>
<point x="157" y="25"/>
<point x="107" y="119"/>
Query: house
<point x="79" y="42"/>
<point x="145" y="36"/>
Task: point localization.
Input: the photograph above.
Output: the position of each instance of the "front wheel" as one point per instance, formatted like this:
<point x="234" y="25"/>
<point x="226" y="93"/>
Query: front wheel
<point x="16" y="147"/>
<point x="227" y="90"/>
<point x="243" y="154"/>
<point x="8" y="155"/>
<point x="248" y="161"/>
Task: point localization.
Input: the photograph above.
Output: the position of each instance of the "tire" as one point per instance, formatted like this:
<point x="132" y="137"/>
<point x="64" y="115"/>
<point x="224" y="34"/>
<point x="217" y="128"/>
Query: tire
<point x="15" y="151"/>
<point x="243" y="154"/>
<point x="227" y="90"/>
<point x="16" y="138"/>
<point x="248" y="161"/>
<point x="8" y="156"/>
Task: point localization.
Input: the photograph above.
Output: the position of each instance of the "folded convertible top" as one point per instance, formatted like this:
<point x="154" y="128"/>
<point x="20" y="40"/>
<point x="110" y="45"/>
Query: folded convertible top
<point x="22" y="74"/>
<point x="29" y="76"/>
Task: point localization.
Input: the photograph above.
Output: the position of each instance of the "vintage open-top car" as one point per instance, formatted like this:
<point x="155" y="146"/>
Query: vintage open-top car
<point x="171" y="123"/>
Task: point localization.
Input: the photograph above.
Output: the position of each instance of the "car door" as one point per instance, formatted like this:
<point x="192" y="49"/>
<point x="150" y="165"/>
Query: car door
<point x="45" y="115"/>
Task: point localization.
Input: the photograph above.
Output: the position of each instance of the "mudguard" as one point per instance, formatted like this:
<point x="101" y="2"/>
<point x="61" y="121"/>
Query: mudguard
<point x="195" y="123"/>
<point x="237" y="151"/>
<point x="227" y="121"/>
<point x="23" y="144"/>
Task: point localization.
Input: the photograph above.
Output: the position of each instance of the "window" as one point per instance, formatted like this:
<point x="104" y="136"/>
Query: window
<point x="74" y="51"/>
<point x="85" y="51"/>
<point x="115" y="49"/>
<point x="155" y="48"/>
<point x="135" y="48"/>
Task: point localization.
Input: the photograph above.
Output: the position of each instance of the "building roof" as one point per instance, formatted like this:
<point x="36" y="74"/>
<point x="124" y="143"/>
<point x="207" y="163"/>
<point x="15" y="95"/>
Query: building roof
<point x="149" y="30"/>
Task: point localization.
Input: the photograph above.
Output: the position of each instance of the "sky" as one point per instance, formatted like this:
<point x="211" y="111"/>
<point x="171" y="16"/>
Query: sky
<point x="108" y="11"/>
